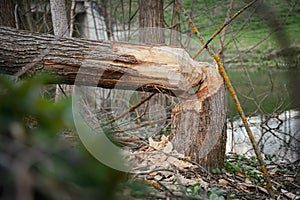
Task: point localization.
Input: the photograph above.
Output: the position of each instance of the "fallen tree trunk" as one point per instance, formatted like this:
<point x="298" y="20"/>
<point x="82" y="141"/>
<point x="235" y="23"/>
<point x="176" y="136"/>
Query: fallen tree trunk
<point x="198" y="124"/>
<point x="100" y="63"/>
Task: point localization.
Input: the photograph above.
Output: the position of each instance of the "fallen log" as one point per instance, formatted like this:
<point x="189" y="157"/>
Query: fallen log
<point x="198" y="124"/>
<point x="153" y="67"/>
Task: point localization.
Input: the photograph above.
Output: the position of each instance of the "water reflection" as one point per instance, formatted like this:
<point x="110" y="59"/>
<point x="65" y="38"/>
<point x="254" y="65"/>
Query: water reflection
<point x="276" y="134"/>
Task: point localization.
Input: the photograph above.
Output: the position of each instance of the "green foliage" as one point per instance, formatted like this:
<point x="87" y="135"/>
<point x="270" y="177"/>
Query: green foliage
<point x="246" y="166"/>
<point x="247" y="30"/>
<point x="216" y="194"/>
<point x="134" y="189"/>
<point x="231" y="197"/>
<point x="35" y="158"/>
<point x="194" y="190"/>
<point x="197" y="192"/>
<point x="218" y="171"/>
<point x="166" y="131"/>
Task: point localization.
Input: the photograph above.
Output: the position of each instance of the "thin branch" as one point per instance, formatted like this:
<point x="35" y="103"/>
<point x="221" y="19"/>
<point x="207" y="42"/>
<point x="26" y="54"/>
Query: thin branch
<point x="16" y="17"/>
<point x="245" y="122"/>
<point x="223" y="34"/>
<point x="270" y="33"/>
<point x="72" y="17"/>
<point x="62" y="90"/>
<point x="230" y="87"/>
<point x="130" y="109"/>
<point x="94" y="20"/>
<point x="222" y="27"/>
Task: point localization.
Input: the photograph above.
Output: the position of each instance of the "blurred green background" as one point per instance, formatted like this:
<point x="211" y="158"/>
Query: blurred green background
<point x="38" y="158"/>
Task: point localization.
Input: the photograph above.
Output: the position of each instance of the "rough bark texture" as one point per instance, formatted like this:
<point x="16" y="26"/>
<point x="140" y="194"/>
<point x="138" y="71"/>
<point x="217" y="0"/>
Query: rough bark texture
<point x="151" y="15"/>
<point x="151" y="22"/>
<point x="7" y="17"/>
<point x="154" y="67"/>
<point x="59" y="17"/>
<point x="198" y="126"/>
<point x="61" y="29"/>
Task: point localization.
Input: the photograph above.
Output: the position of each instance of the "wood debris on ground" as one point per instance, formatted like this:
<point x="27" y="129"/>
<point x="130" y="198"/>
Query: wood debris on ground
<point x="174" y="176"/>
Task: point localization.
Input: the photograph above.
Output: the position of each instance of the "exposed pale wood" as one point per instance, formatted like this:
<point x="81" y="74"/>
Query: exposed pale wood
<point x="198" y="125"/>
<point x="153" y="66"/>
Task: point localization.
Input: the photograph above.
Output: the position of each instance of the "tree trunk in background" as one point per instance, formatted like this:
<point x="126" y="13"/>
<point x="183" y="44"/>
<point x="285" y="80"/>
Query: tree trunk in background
<point x="61" y="29"/>
<point x="59" y="18"/>
<point x="7" y="17"/>
<point x="151" y="15"/>
<point x="151" y="23"/>
<point x="198" y="125"/>
<point x="25" y="15"/>
<point x="107" y="18"/>
<point x="175" y="37"/>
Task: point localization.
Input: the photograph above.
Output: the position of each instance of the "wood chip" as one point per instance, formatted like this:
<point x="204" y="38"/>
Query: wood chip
<point x="223" y="182"/>
<point x="290" y="195"/>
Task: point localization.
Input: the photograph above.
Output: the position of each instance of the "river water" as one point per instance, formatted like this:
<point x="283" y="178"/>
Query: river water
<point x="277" y="136"/>
<point x="269" y="98"/>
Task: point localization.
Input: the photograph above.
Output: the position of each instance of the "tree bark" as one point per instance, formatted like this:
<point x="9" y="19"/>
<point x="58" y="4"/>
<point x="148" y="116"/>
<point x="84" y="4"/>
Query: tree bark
<point x="151" y="16"/>
<point x="198" y="125"/>
<point x="151" y="21"/>
<point x="59" y="18"/>
<point x="7" y="17"/>
<point x="101" y="63"/>
<point x="61" y="29"/>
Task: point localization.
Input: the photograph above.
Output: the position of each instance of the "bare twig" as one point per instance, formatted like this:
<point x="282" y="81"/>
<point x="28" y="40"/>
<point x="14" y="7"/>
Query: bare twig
<point x="222" y="27"/>
<point x="223" y="33"/>
<point x="229" y="85"/>
<point x="72" y="17"/>
<point x="130" y="109"/>
<point x="275" y="29"/>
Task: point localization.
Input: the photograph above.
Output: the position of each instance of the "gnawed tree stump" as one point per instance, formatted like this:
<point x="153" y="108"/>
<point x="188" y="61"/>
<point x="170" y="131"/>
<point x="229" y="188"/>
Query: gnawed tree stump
<point x="198" y="125"/>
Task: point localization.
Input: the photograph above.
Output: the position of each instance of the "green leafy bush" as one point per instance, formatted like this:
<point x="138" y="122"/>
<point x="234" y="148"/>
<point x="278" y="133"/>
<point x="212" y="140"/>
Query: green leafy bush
<point x="36" y="160"/>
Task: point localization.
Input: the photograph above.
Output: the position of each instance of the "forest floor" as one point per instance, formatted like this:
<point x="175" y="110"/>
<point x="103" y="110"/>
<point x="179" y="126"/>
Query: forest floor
<point x="159" y="172"/>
